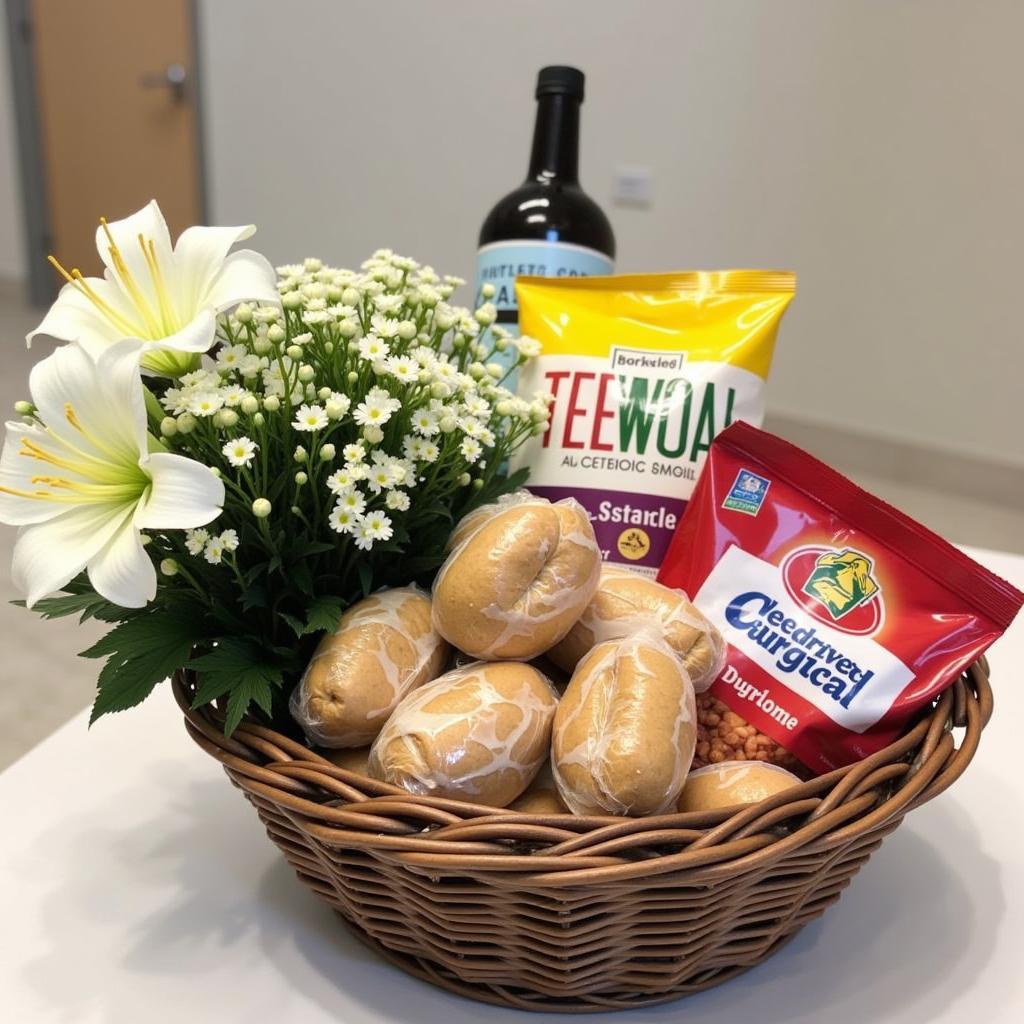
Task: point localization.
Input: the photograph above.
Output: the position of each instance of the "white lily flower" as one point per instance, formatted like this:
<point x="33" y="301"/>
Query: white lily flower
<point x="81" y="482"/>
<point x="166" y="299"/>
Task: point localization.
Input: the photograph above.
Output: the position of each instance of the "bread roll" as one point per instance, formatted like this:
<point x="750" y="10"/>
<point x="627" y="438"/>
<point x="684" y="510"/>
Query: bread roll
<point x="479" y="733"/>
<point x="733" y="782"/>
<point x="383" y="647"/>
<point x="625" y="729"/>
<point x="625" y="602"/>
<point x="353" y="759"/>
<point x="541" y="796"/>
<point x="471" y="521"/>
<point x="518" y="582"/>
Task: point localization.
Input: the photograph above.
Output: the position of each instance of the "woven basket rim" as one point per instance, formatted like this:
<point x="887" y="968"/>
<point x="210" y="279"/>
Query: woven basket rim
<point x="511" y="848"/>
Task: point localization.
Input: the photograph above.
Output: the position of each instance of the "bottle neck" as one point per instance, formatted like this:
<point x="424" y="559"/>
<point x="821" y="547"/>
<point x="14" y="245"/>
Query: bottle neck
<point x="556" y="140"/>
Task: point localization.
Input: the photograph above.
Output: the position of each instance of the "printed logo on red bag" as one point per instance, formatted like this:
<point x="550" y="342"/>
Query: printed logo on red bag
<point x="836" y="586"/>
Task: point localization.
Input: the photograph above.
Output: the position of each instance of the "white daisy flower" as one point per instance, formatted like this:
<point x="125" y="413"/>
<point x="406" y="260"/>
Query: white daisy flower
<point x="379" y="478"/>
<point x="311" y="317"/>
<point x="374" y="412"/>
<point x="175" y="401"/>
<point x="477" y="406"/>
<point x="214" y="551"/>
<point x="372" y="348"/>
<point x="309" y="418"/>
<point x="373" y="527"/>
<point x="354" y="501"/>
<point x="229" y="540"/>
<point x="342" y="520"/>
<point x="340" y="481"/>
<point x="195" y="541"/>
<point x="204" y="403"/>
<point x="240" y="452"/>
<point x="430" y="452"/>
<point x="384" y="326"/>
<point x="250" y="366"/>
<point x="403" y="368"/>
<point x="424" y="422"/>
<point x="233" y="394"/>
<point x="353" y="453"/>
<point x="412" y="447"/>
<point x="528" y="346"/>
<point x="388" y="303"/>
<point x="470" y="449"/>
<point x="397" y="500"/>
<point x="337" y="405"/>
<point x="228" y="357"/>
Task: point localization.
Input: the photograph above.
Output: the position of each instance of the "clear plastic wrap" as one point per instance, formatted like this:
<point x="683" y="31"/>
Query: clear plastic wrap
<point x="541" y="796"/>
<point x="626" y="602"/>
<point x="518" y="579"/>
<point x="384" y="647"/>
<point x="733" y="782"/>
<point x="625" y="729"/>
<point x="472" y="521"/>
<point x="478" y="733"/>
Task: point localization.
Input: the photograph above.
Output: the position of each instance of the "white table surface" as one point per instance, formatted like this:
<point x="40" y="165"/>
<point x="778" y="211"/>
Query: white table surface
<point x="136" y="885"/>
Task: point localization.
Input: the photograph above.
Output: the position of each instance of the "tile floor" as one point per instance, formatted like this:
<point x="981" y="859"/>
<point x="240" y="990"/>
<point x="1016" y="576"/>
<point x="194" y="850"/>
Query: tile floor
<point x="43" y="682"/>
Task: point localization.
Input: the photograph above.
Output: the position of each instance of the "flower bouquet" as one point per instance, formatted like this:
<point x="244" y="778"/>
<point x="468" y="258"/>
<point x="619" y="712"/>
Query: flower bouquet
<point x="223" y="458"/>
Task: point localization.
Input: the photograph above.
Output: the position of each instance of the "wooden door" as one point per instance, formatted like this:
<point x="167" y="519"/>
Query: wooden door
<point x="117" y="116"/>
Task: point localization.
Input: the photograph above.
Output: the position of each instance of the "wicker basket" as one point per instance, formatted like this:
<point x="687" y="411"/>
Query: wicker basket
<point x="578" y="914"/>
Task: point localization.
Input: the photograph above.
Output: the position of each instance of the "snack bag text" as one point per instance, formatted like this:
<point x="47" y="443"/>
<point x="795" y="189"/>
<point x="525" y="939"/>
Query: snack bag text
<point x="645" y="371"/>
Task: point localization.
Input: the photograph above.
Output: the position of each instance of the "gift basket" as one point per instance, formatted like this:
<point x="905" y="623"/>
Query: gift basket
<point x="562" y="683"/>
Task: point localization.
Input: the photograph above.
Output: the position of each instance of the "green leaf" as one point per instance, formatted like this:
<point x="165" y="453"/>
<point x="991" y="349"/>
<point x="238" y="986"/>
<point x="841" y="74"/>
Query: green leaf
<point x="299" y="574"/>
<point x="316" y="547"/>
<point x="78" y="600"/>
<point x="141" y="652"/>
<point x="323" y="615"/>
<point x="242" y="696"/>
<point x="298" y="627"/>
<point x="235" y="665"/>
<point x="365" y="578"/>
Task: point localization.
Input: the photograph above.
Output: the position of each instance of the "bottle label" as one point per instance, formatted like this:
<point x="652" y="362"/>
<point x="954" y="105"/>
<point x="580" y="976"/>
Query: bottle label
<point x="500" y="263"/>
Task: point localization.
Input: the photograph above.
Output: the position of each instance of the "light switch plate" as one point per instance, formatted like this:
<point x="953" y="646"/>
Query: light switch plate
<point x="633" y="186"/>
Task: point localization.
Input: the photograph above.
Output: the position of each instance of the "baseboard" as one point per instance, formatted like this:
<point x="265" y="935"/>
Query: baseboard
<point x="908" y="462"/>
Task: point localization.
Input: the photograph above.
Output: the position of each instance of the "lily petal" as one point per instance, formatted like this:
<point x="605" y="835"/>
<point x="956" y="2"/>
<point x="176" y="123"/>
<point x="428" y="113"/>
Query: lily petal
<point x="184" y="494"/>
<point x="49" y="555"/>
<point x="74" y="317"/>
<point x="246" y="276"/>
<point x="122" y="572"/>
<point x="198" y="335"/>
<point x="16" y="472"/>
<point x="105" y="397"/>
<point x="150" y="224"/>
<point x="199" y="254"/>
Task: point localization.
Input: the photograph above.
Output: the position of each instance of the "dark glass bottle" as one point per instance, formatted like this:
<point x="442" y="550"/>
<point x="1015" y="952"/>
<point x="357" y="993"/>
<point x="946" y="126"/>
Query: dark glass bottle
<point x="548" y="225"/>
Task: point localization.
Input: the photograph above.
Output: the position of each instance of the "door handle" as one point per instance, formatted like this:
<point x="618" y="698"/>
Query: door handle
<point x="172" y="78"/>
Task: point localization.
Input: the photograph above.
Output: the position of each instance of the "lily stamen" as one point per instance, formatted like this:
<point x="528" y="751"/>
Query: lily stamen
<point x="74" y="277"/>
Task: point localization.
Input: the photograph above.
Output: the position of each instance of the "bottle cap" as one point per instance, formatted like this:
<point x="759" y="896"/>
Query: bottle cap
<point x="560" y="80"/>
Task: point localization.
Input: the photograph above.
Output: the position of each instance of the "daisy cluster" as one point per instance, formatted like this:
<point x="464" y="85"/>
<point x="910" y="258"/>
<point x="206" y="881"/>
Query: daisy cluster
<point x="363" y="398"/>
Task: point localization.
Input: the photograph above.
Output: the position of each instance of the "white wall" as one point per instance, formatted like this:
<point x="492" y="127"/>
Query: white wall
<point x="12" y="250"/>
<point x="874" y="146"/>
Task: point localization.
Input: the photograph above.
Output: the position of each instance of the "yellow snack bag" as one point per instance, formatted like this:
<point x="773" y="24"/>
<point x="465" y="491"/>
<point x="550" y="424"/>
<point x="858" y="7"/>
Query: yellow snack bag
<point x="645" y="370"/>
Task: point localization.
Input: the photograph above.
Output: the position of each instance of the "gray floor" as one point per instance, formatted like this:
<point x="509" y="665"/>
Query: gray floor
<point x="43" y="683"/>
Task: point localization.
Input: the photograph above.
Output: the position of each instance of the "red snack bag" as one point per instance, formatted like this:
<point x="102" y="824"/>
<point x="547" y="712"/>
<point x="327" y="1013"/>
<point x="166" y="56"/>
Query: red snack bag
<point x="843" y="617"/>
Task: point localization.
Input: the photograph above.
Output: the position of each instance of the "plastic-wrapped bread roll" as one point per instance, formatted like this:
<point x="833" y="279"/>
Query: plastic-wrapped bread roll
<point x="516" y="584"/>
<point x="625" y="729"/>
<point x="478" y="733"/>
<point x="541" y="796"/>
<point x="472" y="521"/>
<point x="733" y="782"/>
<point x="383" y="647"/>
<point x="626" y="602"/>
